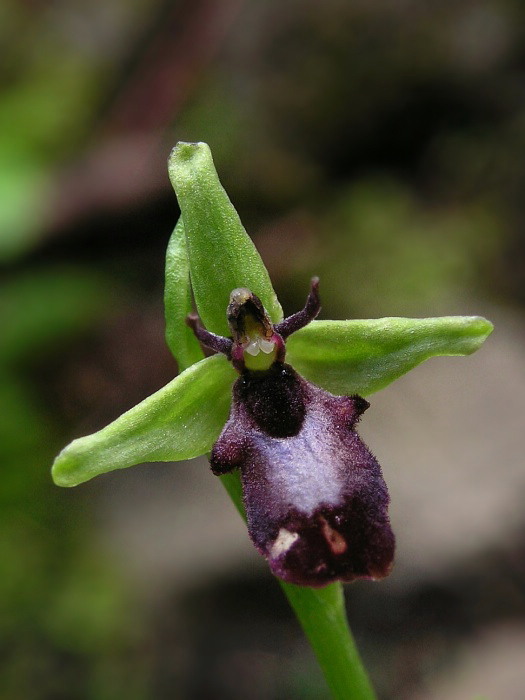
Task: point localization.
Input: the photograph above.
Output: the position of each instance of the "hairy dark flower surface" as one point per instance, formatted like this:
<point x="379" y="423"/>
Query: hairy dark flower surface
<point x="315" y="498"/>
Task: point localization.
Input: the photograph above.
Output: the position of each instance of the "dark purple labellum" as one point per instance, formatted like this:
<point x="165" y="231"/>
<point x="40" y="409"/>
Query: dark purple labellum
<point x="315" y="498"/>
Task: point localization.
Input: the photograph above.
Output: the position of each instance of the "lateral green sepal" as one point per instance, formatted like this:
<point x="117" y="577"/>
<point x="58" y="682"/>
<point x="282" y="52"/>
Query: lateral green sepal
<point x="181" y="341"/>
<point x="360" y="357"/>
<point x="180" y="421"/>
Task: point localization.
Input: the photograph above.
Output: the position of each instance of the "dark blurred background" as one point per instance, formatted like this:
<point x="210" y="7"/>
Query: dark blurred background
<point x="380" y="145"/>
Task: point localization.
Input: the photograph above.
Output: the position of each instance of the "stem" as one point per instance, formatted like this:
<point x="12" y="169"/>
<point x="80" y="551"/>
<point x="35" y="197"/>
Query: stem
<point x="321" y="612"/>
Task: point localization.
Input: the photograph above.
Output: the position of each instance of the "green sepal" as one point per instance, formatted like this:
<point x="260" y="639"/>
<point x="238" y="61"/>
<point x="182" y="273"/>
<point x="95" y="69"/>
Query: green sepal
<point x="360" y="357"/>
<point x="181" y="341"/>
<point x="222" y="255"/>
<point x="180" y="421"/>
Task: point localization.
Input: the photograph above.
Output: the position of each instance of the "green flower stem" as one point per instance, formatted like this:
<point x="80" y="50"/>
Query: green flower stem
<point x="322" y="614"/>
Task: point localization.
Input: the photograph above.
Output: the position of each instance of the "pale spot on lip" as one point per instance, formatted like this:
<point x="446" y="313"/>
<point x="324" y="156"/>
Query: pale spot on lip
<point x="336" y="541"/>
<point x="283" y="542"/>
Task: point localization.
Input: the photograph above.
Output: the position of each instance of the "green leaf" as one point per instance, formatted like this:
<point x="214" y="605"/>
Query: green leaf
<point x="222" y="256"/>
<point x="360" y="357"/>
<point x="177" y="302"/>
<point x="180" y="421"/>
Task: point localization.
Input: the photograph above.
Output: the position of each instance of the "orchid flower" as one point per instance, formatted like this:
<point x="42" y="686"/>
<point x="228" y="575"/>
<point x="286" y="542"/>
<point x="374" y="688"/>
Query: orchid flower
<point x="278" y="402"/>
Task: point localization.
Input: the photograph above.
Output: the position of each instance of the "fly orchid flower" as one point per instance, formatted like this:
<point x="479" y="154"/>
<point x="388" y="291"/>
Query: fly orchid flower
<point x="315" y="498"/>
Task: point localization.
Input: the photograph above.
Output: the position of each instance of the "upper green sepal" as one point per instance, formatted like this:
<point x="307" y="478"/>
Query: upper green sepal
<point x="180" y="421"/>
<point x="221" y="254"/>
<point x="360" y="357"/>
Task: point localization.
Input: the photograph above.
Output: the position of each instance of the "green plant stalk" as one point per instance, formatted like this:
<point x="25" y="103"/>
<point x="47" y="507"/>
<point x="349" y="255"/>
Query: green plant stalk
<point x="322" y="615"/>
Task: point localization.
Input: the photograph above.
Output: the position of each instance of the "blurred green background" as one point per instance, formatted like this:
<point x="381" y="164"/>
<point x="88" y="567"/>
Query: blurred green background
<point x="379" y="145"/>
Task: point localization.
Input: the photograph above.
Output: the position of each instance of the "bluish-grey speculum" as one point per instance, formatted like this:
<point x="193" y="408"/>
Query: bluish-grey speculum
<point x="315" y="498"/>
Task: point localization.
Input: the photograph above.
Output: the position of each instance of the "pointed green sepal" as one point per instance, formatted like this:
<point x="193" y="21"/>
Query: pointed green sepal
<point x="360" y="357"/>
<point x="222" y="255"/>
<point x="181" y="341"/>
<point x="180" y="421"/>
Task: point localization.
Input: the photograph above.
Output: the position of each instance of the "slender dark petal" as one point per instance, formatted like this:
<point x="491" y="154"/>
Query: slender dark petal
<point x="305" y="316"/>
<point x="218" y="343"/>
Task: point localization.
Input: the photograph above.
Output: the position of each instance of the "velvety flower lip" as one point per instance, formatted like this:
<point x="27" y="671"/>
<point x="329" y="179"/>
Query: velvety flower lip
<point x="315" y="499"/>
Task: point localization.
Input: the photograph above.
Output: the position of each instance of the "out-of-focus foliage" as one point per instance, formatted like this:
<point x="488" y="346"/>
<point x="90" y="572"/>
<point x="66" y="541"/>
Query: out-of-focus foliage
<point x="421" y="258"/>
<point x="64" y="609"/>
<point x="57" y="64"/>
<point x="389" y="135"/>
